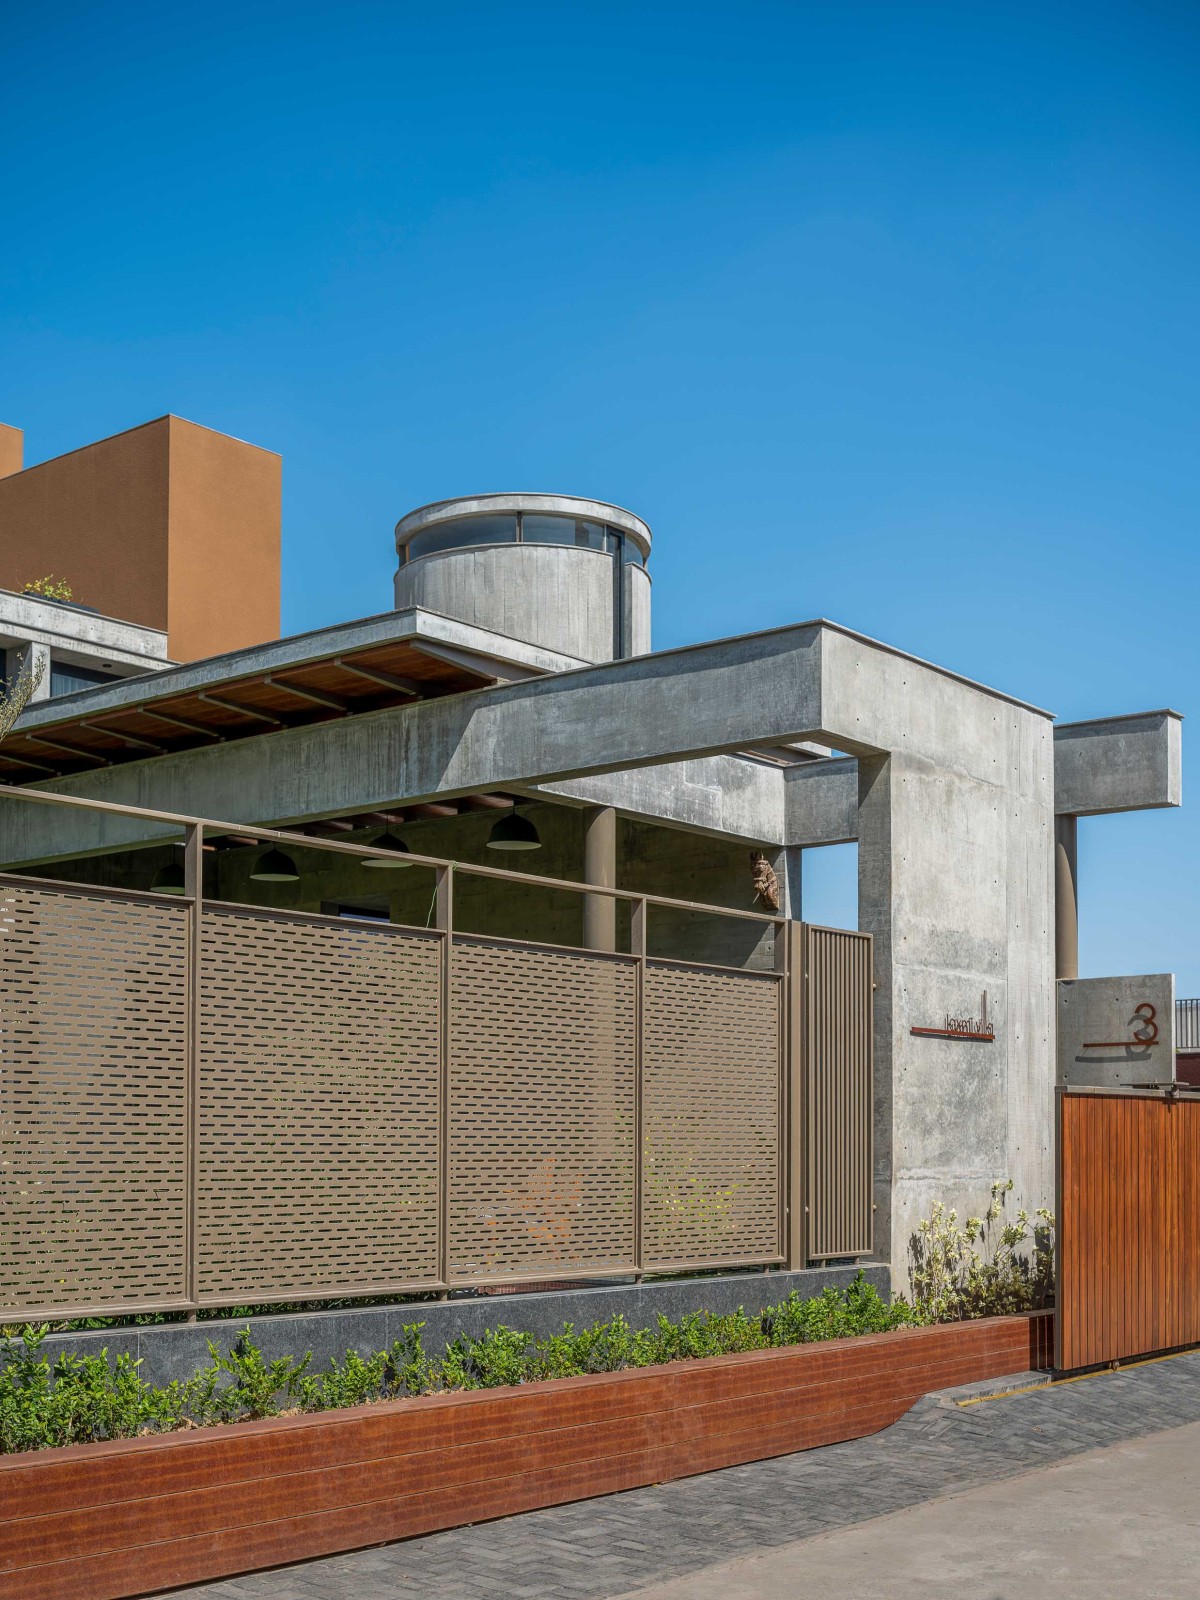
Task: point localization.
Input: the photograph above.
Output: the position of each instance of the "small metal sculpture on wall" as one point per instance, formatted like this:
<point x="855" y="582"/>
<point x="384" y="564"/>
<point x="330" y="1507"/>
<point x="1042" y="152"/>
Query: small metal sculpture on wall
<point x="766" y="884"/>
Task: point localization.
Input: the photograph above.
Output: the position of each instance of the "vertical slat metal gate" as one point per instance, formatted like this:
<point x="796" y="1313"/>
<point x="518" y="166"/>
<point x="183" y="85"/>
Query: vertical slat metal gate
<point x="835" y="1031"/>
<point x="1127" y="1240"/>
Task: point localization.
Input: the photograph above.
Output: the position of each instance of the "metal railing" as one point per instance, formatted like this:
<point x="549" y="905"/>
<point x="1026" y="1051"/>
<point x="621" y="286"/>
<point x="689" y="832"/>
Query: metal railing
<point x="205" y="1103"/>
<point x="1187" y="1024"/>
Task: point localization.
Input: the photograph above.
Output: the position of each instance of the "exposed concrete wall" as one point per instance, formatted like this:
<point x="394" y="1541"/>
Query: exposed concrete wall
<point x="955" y="848"/>
<point x="821" y="803"/>
<point x="955" y="878"/>
<point x="1130" y="763"/>
<point x="1095" y="1016"/>
<point x="555" y="596"/>
<point x="728" y="796"/>
<point x="73" y="633"/>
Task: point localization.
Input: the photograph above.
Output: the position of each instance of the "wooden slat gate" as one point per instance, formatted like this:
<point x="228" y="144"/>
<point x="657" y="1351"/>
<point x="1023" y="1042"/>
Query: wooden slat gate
<point x="1128" y="1220"/>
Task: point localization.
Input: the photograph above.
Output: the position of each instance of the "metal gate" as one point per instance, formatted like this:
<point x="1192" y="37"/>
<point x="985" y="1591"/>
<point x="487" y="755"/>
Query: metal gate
<point x="1128" y="1243"/>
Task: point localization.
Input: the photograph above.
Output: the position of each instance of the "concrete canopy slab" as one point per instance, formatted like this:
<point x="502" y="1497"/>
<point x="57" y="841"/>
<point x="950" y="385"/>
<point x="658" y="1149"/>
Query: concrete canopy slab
<point x="1132" y="763"/>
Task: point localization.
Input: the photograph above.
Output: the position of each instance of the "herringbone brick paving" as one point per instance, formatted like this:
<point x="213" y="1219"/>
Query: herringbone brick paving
<point x="600" y="1549"/>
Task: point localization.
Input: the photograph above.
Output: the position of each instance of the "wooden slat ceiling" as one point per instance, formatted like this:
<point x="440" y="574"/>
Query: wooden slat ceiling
<point x="369" y="679"/>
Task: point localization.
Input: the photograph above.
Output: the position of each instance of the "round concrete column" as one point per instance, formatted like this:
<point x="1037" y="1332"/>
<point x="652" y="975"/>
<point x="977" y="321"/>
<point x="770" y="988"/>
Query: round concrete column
<point x="1066" y="897"/>
<point x="600" y="867"/>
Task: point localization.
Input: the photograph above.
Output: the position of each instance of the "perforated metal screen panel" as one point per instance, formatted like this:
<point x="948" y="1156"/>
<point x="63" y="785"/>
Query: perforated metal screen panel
<point x="93" y="1069"/>
<point x="543" y="1050"/>
<point x="837" y="1034"/>
<point x="318" y="1105"/>
<point x="711" y="1108"/>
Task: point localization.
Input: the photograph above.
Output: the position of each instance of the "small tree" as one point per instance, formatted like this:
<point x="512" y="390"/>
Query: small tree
<point x="15" y="696"/>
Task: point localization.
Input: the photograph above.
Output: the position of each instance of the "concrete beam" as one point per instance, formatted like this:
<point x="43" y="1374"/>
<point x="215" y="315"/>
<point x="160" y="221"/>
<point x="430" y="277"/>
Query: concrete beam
<point x="1132" y="763"/>
<point x="722" y="796"/>
<point x="812" y="680"/>
<point x="821" y="803"/>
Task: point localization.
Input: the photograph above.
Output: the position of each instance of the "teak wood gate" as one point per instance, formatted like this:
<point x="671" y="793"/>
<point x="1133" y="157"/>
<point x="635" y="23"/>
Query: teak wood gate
<point x="1128" y="1240"/>
<point x="207" y="1104"/>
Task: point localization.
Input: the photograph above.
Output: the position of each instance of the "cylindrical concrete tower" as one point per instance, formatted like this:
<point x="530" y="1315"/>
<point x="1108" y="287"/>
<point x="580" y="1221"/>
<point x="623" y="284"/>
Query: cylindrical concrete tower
<point x="559" y="572"/>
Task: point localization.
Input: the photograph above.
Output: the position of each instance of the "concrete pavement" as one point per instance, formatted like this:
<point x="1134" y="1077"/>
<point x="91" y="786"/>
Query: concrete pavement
<point x="1115" y="1524"/>
<point x="1129" y="1430"/>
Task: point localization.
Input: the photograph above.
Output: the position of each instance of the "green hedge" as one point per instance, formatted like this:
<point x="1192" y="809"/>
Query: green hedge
<point x="80" y="1399"/>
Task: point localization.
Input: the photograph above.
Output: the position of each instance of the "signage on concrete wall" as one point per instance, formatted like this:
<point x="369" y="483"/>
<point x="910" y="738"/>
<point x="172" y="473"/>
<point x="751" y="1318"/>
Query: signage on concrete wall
<point x="979" y="1028"/>
<point x="1116" y="1033"/>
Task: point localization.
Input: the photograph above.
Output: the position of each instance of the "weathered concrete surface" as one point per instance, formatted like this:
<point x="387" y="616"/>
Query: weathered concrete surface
<point x="1130" y="763"/>
<point x="727" y="796"/>
<point x="821" y="803"/>
<point x="391" y="627"/>
<point x="1107" y="1011"/>
<point x="955" y="858"/>
<point x="955" y="885"/>
<point x="557" y="597"/>
<point x="70" y="629"/>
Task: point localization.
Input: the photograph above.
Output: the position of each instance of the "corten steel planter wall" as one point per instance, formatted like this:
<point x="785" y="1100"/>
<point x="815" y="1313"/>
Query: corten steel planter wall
<point x="96" y="1522"/>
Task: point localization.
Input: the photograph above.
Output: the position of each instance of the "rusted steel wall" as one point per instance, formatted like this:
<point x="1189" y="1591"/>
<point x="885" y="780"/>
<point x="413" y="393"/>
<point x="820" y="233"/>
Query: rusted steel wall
<point x="1128" y="1239"/>
<point x="131" y="1517"/>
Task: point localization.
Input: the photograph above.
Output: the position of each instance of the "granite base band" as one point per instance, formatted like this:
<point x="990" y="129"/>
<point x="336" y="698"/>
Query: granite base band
<point x="177" y="1349"/>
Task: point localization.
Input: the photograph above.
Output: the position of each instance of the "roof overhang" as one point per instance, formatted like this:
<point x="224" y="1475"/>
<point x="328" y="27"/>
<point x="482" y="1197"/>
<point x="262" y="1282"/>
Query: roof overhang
<point x="370" y="665"/>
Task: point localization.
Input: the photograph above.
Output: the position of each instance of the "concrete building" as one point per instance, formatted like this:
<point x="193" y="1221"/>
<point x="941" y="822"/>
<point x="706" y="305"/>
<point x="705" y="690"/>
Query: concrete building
<point x="515" y="678"/>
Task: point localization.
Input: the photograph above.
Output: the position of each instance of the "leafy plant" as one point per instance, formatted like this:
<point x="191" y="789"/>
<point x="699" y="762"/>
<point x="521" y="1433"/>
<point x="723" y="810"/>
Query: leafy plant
<point x="50" y="588"/>
<point x="85" y="1398"/>
<point x="984" y="1267"/>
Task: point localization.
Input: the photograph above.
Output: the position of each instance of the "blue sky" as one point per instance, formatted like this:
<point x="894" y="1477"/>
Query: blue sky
<point x="883" y="313"/>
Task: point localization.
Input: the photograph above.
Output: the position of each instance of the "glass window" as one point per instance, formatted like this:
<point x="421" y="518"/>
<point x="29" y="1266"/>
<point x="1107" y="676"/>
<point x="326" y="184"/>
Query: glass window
<point x="66" y="679"/>
<point x="631" y="552"/>
<point x="542" y="529"/>
<point x="461" y="534"/>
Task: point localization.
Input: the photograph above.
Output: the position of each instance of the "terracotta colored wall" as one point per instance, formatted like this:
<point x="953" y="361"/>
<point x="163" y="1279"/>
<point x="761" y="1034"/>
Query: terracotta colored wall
<point x="12" y="449"/>
<point x="170" y="525"/>
<point x="98" y="518"/>
<point x="223" y="565"/>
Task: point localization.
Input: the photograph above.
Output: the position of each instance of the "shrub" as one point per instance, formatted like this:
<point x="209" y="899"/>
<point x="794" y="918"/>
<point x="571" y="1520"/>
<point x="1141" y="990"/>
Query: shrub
<point x="80" y="1399"/>
<point x="979" y="1269"/>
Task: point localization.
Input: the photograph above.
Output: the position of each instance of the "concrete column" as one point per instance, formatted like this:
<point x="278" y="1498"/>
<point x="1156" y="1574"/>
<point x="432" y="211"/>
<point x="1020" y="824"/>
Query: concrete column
<point x="789" y="870"/>
<point x="1066" y="897"/>
<point x="600" y="867"/>
<point x="955" y="877"/>
<point x="30" y="654"/>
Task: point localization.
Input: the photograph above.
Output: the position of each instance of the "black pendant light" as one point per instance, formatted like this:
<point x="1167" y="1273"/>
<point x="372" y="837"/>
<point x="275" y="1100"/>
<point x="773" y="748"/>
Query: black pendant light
<point x="169" y="879"/>
<point x="395" y="851"/>
<point x="273" y="866"/>
<point x="514" y="833"/>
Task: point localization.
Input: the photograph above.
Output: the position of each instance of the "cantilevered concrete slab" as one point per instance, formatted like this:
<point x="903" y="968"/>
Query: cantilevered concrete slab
<point x="1132" y="763"/>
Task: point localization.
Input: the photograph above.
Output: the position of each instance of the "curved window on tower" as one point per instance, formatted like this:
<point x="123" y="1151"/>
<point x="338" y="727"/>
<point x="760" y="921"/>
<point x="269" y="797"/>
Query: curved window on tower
<point x="540" y="529"/>
<point x="462" y="534"/>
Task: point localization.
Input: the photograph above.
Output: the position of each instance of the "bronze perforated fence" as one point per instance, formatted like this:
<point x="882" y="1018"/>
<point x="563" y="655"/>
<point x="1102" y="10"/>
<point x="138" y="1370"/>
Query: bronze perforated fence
<point x="207" y="1104"/>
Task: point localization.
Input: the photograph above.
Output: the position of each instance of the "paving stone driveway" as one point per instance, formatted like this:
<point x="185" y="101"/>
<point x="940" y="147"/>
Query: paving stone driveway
<point x="599" y="1549"/>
